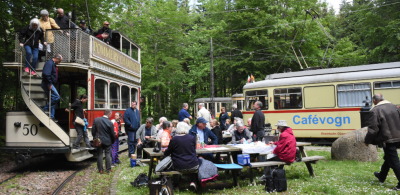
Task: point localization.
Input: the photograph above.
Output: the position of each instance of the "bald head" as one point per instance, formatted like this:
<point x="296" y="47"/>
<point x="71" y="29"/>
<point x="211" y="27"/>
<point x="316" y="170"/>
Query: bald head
<point x="60" y="12"/>
<point x="377" y="98"/>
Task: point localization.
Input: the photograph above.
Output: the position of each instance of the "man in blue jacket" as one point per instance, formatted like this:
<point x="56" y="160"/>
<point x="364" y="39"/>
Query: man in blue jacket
<point x="49" y="79"/>
<point x="204" y="132"/>
<point x="132" y="124"/>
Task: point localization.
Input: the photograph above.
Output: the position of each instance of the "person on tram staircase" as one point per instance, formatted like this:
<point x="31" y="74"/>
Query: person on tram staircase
<point x="132" y="124"/>
<point x="49" y="79"/>
<point x="78" y="112"/>
<point x="107" y="30"/>
<point x="32" y="35"/>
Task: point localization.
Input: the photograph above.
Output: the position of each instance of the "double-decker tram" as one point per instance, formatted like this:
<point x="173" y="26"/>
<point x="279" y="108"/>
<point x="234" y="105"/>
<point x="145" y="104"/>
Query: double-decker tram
<point x="110" y="74"/>
<point x="325" y="103"/>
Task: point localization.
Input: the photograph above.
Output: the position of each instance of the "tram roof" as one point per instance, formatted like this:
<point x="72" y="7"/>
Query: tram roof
<point x="216" y="99"/>
<point x="374" y="71"/>
<point x="238" y="95"/>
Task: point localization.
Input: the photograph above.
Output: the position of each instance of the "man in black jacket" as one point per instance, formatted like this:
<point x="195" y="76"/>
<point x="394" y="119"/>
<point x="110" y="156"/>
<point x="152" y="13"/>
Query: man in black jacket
<point x="107" y="30"/>
<point x="258" y="121"/>
<point x="49" y="79"/>
<point x="384" y="129"/>
<point x="104" y="129"/>
<point x="235" y="113"/>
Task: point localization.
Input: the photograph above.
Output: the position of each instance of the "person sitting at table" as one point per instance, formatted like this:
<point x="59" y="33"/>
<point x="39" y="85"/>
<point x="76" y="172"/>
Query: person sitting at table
<point x="216" y="129"/>
<point x="174" y="124"/>
<point x="285" y="148"/>
<point x="203" y="132"/>
<point x="232" y="128"/>
<point x="227" y="123"/>
<point x="241" y="134"/>
<point x="182" y="149"/>
<point x="159" y="126"/>
<point x="165" y="135"/>
<point x="144" y="134"/>
<point x="187" y="121"/>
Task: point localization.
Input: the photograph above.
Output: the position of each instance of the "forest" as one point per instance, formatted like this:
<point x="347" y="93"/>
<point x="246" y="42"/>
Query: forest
<point x="249" y="37"/>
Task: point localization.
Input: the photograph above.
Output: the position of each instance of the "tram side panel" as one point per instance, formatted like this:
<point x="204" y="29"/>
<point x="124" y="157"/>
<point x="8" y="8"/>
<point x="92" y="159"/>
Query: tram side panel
<point x="25" y="134"/>
<point x="319" y="123"/>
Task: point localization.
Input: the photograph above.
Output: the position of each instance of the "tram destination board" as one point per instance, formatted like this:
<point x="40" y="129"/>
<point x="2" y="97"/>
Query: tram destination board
<point x="102" y="51"/>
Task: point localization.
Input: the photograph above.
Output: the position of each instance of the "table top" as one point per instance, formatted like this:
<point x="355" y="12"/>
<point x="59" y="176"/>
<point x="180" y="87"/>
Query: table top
<point x="221" y="149"/>
<point x="226" y="135"/>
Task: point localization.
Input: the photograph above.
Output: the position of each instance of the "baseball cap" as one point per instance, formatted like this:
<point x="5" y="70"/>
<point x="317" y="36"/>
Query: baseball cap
<point x="83" y="22"/>
<point x="201" y="120"/>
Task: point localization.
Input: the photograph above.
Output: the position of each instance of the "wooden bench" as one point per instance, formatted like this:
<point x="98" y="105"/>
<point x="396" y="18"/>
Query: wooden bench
<point x="308" y="160"/>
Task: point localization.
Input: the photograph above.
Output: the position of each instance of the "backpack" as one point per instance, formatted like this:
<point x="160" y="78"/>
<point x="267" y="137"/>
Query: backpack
<point x="140" y="180"/>
<point x="298" y="156"/>
<point x="277" y="181"/>
<point x="161" y="186"/>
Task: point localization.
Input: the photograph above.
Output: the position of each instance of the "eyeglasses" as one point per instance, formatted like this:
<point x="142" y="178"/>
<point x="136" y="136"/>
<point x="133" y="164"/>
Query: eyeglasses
<point x="148" y="122"/>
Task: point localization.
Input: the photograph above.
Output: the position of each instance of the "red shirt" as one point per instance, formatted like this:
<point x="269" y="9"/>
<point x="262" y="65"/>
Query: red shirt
<point x="286" y="146"/>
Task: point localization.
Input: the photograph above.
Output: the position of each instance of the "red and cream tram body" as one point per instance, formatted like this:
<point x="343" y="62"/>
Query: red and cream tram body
<point x="110" y="74"/>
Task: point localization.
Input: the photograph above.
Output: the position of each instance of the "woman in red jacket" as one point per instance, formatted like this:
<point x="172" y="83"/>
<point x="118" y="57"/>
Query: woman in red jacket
<point x="285" y="148"/>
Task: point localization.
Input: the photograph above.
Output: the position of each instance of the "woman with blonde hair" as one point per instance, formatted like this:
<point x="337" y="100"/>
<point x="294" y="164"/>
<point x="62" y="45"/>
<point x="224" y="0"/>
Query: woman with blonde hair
<point x="174" y="124"/>
<point x="187" y="121"/>
<point x="216" y="129"/>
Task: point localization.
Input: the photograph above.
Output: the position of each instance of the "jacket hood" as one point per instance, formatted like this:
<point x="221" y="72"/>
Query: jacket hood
<point x="288" y="130"/>
<point x="381" y="103"/>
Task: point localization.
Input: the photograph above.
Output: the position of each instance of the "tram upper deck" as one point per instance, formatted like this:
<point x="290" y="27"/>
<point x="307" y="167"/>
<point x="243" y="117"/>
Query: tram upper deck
<point x="109" y="74"/>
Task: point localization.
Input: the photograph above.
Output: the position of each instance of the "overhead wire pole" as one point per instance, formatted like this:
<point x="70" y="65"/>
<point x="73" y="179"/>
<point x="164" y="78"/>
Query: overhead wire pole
<point x="211" y="74"/>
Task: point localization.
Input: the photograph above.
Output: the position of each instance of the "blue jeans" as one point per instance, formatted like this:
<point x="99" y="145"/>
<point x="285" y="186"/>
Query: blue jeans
<point x="131" y="141"/>
<point x="55" y="98"/>
<point x="29" y="52"/>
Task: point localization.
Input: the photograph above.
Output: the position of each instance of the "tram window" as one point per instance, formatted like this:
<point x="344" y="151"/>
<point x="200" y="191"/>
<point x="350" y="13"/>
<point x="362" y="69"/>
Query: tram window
<point x="228" y="106"/>
<point x="254" y="96"/>
<point x="353" y="95"/>
<point x="125" y="97"/>
<point x="100" y="94"/>
<point x="288" y="98"/>
<point x="65" y="95"/>
<point x="218" y="107"/>
<point x="126" y="46"/>
<point x="389" y="84"/>
<point x="133" y="94"/>
<point x="239" y="104"/>
<point x="114" y="96"/>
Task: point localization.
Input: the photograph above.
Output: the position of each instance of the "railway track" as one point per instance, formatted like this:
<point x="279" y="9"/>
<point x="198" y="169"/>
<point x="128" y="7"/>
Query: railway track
<point x="61" y="186"/>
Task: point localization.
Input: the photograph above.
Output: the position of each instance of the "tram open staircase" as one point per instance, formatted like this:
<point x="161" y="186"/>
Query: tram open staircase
<point x="35" y="99"/>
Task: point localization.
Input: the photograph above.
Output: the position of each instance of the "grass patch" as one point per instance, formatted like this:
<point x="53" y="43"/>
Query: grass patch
<point x="332" y="177"/>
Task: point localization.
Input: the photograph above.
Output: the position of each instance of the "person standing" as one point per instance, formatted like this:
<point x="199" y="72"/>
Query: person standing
<point x="216" y="129"/>
<point x="184" y="113"/>
<point x="49" y="79"/>
<point x="82" y="25"/>
<point x="103" y="129"/>
<point x="258" y="121"/>
<point x="236" y="112"/>
<point x="384" y="129"/>
<point x="78" y="112"/>
<point x="132" y="124"/>
<point x="107" y="30"/>
<point x="222" y="119"/>
<point x="144" y="134"/>
<point x="32" y="35"/>
<point x="47" y="23"/>
<point x="115" y="147"/>
<point x="205" y="114"/>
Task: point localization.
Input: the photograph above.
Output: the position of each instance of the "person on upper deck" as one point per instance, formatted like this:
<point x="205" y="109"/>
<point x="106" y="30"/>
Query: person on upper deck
<point x="47" y="23"/>
<point x="236" y="112"/>
<point x="29" y="38"/>
<point x="49" y="80"/>
<point x="106" y="29"/>
<point x="63" y="21"/>
<point x="103" y="36"/>
<point x="285" y="148"/>
<point x="82" y="25"/>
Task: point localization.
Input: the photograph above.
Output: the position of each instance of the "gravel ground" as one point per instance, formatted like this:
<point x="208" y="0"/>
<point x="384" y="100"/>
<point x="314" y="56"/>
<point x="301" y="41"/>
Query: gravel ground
<point x="41" y="176"/>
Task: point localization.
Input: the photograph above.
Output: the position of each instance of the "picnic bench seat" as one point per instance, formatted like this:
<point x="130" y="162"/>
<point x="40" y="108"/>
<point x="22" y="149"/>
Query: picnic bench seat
<point x="307" y="160"/>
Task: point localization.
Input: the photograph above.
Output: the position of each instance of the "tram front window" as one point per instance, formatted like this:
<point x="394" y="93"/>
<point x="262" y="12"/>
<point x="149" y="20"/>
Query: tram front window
<point x="125" y="97"/>
<point x="254" y="96"/>
<point x="133" y="94"/>
<point x="100" y="93"/>
<point x="114" y="96"/>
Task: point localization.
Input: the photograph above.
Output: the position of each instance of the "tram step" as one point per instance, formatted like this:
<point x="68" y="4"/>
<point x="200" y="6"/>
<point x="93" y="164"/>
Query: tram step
<point x="82" y="158"/>
<point x="33" y="87"/>
<point x="39" y="72"/>
<point x="33" y="79"/>
<point x="38" y="95"/>
<point x="40" y="102"/>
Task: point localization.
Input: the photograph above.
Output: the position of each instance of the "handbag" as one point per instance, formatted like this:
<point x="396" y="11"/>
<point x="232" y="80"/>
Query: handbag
<point x="164" y="165"/>
<point x="79" y="121"/>
<point x="97" y="142"/>
<point x="140" y="180"/>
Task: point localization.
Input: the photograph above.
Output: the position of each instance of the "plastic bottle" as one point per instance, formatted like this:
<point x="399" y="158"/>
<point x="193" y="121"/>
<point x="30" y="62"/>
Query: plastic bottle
<point x="198" y="142"/>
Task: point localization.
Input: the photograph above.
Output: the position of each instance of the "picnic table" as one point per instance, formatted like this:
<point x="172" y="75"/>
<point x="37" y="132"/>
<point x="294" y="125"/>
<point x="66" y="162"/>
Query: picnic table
<point x="226" y="135"/>
<point x="222" y="149"/>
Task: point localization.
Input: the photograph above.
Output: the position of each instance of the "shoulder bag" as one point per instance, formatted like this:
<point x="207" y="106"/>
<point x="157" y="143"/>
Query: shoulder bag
<point x="97" y="142"/>
<point x="79" y="121"/>
<point x="164" y="165"/>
